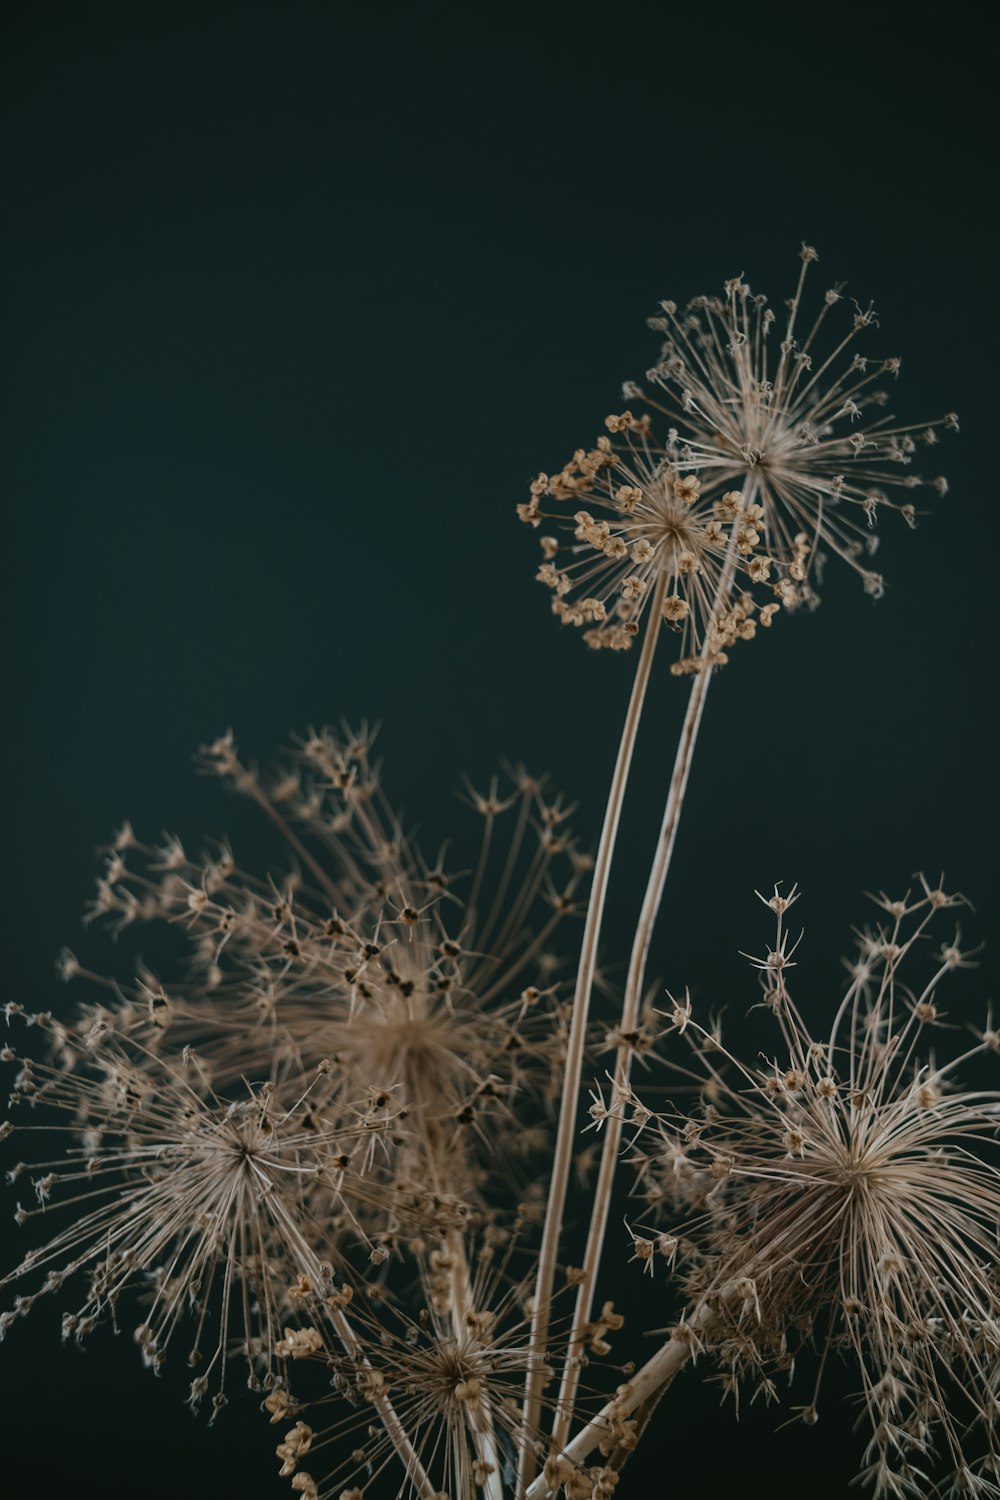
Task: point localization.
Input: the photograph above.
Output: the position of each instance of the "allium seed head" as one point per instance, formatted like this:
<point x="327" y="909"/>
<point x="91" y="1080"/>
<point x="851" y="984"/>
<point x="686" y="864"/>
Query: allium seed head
<point x="777" y="447"/>
<point x="859" y="1213"/>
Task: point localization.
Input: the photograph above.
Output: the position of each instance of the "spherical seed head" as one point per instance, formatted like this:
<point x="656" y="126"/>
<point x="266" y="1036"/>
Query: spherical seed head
<point x="860" y="1208"/>
<point x="644" y="539"/>
<point x="799" y="400"/>
<point x="776" y="439"/>
<point x="452" y="1353"/>
<point x="194" y="1199"/>
<point x="397" y="1022"/>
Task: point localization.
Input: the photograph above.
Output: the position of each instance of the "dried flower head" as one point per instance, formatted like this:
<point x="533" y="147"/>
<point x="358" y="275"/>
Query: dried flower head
<point x="429" y="997"/>
<point x="451" y="1355"/>
<point x="780" y="447"/>
<point x="656" y="543"/>
<point x="848" y="1195"/>
<point x="202" y="1204"/>
<point x="789" y="400"/>
<point x="338" y="1071"/>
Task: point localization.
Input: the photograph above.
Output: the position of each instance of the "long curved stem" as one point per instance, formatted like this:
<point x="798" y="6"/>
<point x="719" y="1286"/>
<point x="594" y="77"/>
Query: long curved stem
<point x="632" y="999"/>
<point x="562" y="1159"/>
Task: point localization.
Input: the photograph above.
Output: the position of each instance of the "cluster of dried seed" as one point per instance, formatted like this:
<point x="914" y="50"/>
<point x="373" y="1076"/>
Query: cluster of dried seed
<point x="846" y="1194"/>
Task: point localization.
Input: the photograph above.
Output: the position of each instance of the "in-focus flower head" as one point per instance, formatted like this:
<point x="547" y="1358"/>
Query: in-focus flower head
<point x="845" y="1193"/>
<point x="649" y="539"/>
<point x="796" y="401"/>
<point x="778" y="446"/>
<point x="200" y="1203"/>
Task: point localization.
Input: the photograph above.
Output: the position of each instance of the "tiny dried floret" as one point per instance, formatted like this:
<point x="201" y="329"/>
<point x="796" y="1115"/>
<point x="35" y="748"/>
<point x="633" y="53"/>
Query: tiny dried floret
<point x="779" y="445"/>
<point x="648" y="539"/>
<point x="299" y="1343"/>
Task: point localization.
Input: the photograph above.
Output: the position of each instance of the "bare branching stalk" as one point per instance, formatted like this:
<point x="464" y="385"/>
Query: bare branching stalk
<point x="653" y="1376"/>
<point x="566" y="1137"/>
<point x="633" y="995"/>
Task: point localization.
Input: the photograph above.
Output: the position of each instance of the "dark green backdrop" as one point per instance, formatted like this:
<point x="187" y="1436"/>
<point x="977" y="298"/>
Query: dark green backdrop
<point x="297" y="298"/>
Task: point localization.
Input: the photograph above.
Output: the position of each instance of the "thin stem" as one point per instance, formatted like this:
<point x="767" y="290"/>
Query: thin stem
<point x="633" y="994"/>
<point x="563" y="1156"/>
<point x="484" y="1434"/>
<point x="654" y="1375"/>
<point x="394" y="1429"/>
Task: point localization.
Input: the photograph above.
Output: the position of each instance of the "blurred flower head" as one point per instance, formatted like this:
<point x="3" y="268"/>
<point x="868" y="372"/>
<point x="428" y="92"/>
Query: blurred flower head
<point x="355" y="1046"/>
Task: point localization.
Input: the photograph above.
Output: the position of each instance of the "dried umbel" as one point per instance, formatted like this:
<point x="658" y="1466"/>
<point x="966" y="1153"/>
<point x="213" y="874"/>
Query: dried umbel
<point x="451" y="1353"/>
<point x="431" y="999"/>
<point x="353" y="1053"/>
<point x="795" y="401"/>
<point x="846" y="1194"/>
<point x="780" y="447"/>
<point x="174" y="1193"/>
<point x="656" y="543"/>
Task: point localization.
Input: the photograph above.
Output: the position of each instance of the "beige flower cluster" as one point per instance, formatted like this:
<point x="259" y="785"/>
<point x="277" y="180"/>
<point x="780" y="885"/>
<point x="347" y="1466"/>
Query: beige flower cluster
<point x="656" y="544"/>
<point x="842" y="1195"/>
<point x="354" y="1055"/>
<point x="780" y="447"/>
<point x="334" y="1147"/>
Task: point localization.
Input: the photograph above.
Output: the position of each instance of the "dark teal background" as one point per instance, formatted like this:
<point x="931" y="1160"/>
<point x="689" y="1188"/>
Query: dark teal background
<point x="296" y="300"/>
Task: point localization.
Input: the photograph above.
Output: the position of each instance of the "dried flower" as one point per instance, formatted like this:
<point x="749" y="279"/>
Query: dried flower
<point x="173" y="1188"/>
<point x="857" y="1208"/>
<point x="754" y="395"/>
<point x="654" y="543"/>
<point x="451" y="1357"/>
<point x="427" y="1013"/>
<point x="386" y="1029"/>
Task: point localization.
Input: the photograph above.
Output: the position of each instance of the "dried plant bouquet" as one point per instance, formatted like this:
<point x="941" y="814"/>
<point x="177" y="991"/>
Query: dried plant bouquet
<point x="334" y="1158"/>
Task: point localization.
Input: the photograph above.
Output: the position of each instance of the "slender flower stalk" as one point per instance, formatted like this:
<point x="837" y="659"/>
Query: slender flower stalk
<point x="628" y="1027"/>
<point x="566" y="1135"/>
<point x="612" y="1430"/>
